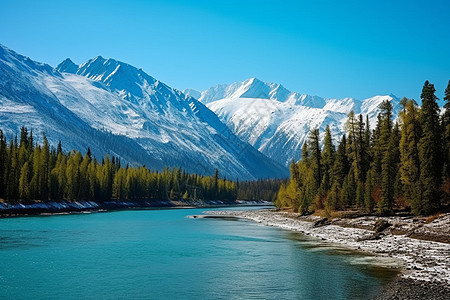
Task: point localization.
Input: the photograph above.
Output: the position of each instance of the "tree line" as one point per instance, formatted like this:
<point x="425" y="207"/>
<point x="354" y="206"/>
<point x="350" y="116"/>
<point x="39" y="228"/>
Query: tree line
<point x="261" y="189"/>
<point x="29" y="171"/>
<point x="395" y="165"/>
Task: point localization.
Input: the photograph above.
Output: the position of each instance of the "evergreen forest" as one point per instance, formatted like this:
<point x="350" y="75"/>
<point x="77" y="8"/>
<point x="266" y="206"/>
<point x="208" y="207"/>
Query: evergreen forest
<point x="395" y="165"/>
<point x="40" y="172"/>
<point x="30" y="172"/>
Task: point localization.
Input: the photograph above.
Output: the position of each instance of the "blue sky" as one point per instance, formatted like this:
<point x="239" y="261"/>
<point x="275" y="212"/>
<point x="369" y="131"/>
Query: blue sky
<point x="327" y="48"/>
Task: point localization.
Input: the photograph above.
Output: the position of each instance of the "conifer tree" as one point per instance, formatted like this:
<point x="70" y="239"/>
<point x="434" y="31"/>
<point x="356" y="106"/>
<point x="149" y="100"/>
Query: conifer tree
<point x="44" y="172"/>
<point x="316" y="164"/>
<point x="341" y="164"/>
<point x="3" y="164"/>
<point x="446" y="130"/>
<point x="24" y="182"/>
<point x="73" y="175"/>
<point x="409" y="155"/>
<point x="430" y="146"/>
<point x="388" y="170"/>
<point x="327" y="159"/>
<point x="305" y="153"/>
<point x="35" y="185"/>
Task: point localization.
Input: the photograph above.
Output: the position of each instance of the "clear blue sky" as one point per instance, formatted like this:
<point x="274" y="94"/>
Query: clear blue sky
<point x="327" y="48"/>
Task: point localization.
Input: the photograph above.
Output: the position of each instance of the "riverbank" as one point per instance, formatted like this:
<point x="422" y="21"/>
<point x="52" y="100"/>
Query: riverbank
<point x="67" y="207"/>
<point x="420" y="246"/>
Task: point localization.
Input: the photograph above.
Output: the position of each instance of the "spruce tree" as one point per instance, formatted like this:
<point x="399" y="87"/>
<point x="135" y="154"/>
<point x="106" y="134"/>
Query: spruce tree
<point x="388" y="173"/>
<point x="44" y="172"/>
<point x="316" y="164"/>
<point x="305" y="153"/>
<point x="3" y="164"/>
<point x="327" y="159"/>
<point x="409" y="155"/>
<point x="341" y="165"/>
<point x="430" y="145"/>
<point x="446" y="131"/>
<point x="24" y="182"/>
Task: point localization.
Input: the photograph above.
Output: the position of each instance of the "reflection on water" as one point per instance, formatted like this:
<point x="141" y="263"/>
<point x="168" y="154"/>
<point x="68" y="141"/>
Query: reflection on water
<point x="382" y="268"/>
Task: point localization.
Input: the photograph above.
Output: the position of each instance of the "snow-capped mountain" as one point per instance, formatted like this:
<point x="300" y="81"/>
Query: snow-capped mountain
<point x="114" y="107"/>
<point x="254" y="88"/>
<point x="277" y="121"/>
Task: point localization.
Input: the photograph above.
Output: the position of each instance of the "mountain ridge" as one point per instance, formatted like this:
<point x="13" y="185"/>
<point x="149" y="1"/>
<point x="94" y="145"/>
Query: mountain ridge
<point x="276" y="121"/>
<point x="118" y="101"/>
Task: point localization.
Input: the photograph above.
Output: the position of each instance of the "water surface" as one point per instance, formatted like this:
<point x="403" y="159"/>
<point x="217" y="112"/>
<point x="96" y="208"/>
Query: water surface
<point x="161" y="254"/>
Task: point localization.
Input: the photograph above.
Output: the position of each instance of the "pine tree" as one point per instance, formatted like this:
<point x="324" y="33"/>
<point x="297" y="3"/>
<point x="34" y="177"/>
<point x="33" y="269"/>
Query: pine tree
<point x="388" y="173"/>
<point x="409" y="155"/>
<point x="35" y="185"/>
<point x="446" y="131"/>
<point x="341" y="164"/>
<point x="24" y="182"/>
<point x="430" y="146"/>
<point x="3" y="164"/>
<point x="355" y="145"/>
<point x="216" y="184"/>
<point x="84" y="190"/>
<point x="376" y="152"/>
<point x="45" y="171"/>
<point x="446" y="147"/>
<point x="327" y="159"/>
<point x="316" y="164"/>
<point x="305" y="153"/>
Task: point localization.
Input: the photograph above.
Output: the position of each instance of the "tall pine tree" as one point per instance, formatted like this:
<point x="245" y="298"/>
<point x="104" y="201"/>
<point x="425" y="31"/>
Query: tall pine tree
<point x="430" y="151"/>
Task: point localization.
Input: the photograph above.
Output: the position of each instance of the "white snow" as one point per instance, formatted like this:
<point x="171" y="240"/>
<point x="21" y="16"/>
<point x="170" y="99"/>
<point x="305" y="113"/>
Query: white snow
<point x="114" y="97"/>
<point x="277" y="122"/>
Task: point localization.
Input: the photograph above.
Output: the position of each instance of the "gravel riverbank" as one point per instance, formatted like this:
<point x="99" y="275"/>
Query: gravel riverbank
<point x="422" y="249"/>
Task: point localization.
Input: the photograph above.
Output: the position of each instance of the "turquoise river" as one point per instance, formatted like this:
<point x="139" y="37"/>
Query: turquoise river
<point x="162" y="254"/>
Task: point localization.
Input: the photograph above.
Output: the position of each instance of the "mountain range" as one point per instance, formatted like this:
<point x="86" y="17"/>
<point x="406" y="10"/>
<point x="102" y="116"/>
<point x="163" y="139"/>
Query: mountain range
<point x="247" y="130"/>
<point x="277" y="121"/>
<point x="115" y="108"/>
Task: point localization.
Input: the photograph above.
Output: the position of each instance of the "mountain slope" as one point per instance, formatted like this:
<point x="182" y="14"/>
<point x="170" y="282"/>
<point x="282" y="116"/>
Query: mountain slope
<point x="277" y="122"/>
<point x="107" y="100"/>
<point x="25" y="100"/>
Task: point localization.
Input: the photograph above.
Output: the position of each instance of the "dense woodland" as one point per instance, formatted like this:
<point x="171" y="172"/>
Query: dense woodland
<point x="30" y="172"/>
<point x="395" y="165"/>
<point x="38" y="172"/>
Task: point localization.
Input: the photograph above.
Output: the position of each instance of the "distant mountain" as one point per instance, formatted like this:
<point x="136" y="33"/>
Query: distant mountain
<point x="277" y="121"/>
<point x="254" y="88"/>
<point x="116" y="108"/>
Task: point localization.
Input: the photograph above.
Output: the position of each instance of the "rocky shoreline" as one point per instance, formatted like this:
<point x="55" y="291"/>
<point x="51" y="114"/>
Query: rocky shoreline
<point x="420" y="246"/>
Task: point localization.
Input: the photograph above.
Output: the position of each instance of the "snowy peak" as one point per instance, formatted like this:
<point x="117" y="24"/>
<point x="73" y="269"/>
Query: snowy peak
<point x="67" y="66"/>
<point x="116" y="75"/>
<point x="371" y="106"/>
<point x="257" y="89"/>
<point x="192" y="93"/>
<point x="250" y="88"/>
<point x="24" y="64"/>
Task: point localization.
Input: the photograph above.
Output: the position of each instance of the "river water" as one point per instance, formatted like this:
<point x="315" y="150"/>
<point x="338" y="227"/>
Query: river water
<point x="161" y="254"/>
